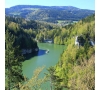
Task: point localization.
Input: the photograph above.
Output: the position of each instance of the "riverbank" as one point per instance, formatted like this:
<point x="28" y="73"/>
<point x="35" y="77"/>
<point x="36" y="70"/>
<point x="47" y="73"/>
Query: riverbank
<point x="42" y="59"/>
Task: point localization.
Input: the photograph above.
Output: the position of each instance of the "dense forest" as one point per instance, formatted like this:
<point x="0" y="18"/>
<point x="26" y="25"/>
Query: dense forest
<point x="17" y="43"/>
<point x="75" y="69"/>
<point x="19" y="28"/>
<point x="83" y="29"/>
<point x="19" y="40"/>
<point x="53" y="14"/>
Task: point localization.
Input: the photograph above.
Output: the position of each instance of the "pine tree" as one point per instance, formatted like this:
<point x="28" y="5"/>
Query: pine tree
<point x="13" y="65"/>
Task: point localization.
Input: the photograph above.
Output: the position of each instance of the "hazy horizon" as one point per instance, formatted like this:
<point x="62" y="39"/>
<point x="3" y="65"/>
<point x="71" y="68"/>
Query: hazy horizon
<point x="82" y="4"/>
<point x="46" y="5"/>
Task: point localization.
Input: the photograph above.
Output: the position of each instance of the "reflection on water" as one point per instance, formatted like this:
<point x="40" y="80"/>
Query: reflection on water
<point x="39" y="53"/>
<point x="41" y="58"/>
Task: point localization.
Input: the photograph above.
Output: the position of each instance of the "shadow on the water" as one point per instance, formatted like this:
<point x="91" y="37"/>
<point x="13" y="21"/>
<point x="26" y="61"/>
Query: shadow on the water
<point x="39" y="53"/>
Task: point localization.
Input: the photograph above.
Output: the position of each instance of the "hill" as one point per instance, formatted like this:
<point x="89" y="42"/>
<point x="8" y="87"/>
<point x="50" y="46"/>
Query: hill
<point x="75" y="69"/>
<point x="24" y="35"/>
<point x="54" y="14"/>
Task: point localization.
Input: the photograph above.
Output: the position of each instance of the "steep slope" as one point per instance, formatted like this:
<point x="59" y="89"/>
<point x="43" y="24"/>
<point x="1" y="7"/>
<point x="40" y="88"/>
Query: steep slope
<point x="24" y="37"/>
<point x="76" y="67"/>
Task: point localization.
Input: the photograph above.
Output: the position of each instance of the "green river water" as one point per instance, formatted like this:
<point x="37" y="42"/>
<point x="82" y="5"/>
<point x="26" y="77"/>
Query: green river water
<point x="42" y="59"/>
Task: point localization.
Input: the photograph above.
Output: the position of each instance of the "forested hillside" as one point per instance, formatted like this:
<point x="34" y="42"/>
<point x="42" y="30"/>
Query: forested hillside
<point x="76" y="67"/>
<point x="19" y="40"/>
<point x="24" y="35"/>
<point x="84" y="28"/>
<point x="53" y="14"/>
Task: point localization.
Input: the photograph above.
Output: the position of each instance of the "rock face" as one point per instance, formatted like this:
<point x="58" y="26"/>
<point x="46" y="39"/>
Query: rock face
<point x="48" y="41"/>
<point x="91" y="43"/>
<point x="79" y="41"/>
<point x="76" y="41"/>
<point x="25" y="51"/>
<point x="28" y="51"/>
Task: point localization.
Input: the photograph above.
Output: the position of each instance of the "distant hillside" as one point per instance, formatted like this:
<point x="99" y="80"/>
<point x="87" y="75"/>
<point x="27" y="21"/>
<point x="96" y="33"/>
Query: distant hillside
<point x="52" y="14"/>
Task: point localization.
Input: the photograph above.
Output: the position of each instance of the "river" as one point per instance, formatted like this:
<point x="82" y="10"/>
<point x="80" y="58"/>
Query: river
<point x="42" y="58"/>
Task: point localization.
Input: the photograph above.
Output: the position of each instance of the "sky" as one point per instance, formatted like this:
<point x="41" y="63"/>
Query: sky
<point x="83" y="4"/>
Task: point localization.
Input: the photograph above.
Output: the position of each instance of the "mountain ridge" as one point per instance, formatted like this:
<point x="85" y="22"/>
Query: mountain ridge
<point x="48" y="13"/>
<point x="43" y="6"/>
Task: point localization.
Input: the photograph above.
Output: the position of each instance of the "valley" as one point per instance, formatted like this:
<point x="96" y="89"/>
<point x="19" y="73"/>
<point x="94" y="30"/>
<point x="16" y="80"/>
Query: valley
<point x="58" y="44"/>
